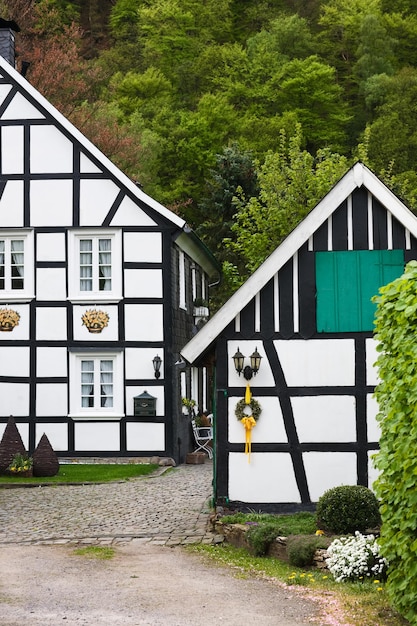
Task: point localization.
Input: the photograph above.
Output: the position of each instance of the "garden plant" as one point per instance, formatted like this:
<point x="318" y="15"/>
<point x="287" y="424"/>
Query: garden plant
<point x="396" y="319"/>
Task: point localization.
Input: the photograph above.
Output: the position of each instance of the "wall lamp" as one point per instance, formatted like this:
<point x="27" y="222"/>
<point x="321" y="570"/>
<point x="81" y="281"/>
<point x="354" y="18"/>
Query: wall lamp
<point x="157" y="361"/>
<point x="248" y="370"/>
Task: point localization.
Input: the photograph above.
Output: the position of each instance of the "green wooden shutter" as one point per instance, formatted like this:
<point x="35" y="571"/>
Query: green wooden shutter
<point x="346" y="281"/>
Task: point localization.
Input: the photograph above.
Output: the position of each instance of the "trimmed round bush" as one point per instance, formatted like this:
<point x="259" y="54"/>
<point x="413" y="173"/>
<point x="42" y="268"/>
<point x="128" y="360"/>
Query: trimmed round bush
<point x="348" y="508"/>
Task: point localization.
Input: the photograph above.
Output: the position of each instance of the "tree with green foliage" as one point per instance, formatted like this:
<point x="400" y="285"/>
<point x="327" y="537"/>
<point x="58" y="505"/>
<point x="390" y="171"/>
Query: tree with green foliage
<point x="393" y="133"/>
<point x="395" y="325"/>
<point x="234" y="169"/>
<point x="292" y="181"/>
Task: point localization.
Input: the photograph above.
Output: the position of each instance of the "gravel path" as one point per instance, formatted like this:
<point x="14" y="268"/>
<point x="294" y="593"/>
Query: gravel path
<point x="44" y="583"/>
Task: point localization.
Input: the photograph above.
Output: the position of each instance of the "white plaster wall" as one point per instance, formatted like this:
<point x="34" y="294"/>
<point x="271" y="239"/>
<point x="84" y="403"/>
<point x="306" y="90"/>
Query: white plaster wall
<point x="87" y="166"/>
<point x="50" y="150"/>
<point x="144" y="322"/>
<point x="143" y="283"/>
<point x="317" y="362"/>
<point x="51" y="399"/>
<point x="325" y="418"/>
<point x="96" y="199"/>
<point x="269" y="477"/>
<point x="81" y="332"/>
<point x="373" y="473"/>
<point x="11" y="204"/>
<point x="51" y="283"/>
<point x="21" y="331"/>
<point x="4" y="91"/>
<point x="157" y="392"/>
<point x="12" y="150"/>
<point x="372" y="409"/>
<point x="14" y="399"/>
<point x="94" y="436"/>
<point x="51" y="247"/>
<point x="264" y="378"/>
<point x="51" y="362"/>
<point x="20" y="108"/>
<point x="51" y="202"/>
<point x="130" y="213"/>
<point x="139" y="362"/>
<point x="143" y="247"/>
<point x="329" y="469"/>
<point x="14" y="361"/>
<point x="51" y="324"/>
<point x="371" y="356"/>
<point x="56" y="433"/>
<point x="23" y="430"/>
<point x="269" y="428"/>
<point x="145" y="436"/>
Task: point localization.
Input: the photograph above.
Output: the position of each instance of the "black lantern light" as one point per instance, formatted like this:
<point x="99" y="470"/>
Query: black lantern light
<point x="238" y="360"/>
<point x="248" y="370"/>
<point x="157" y="361"/>
<point x="255" y="361"/>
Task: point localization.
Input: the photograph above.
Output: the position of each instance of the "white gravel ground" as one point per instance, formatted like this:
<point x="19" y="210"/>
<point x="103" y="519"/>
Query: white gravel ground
<point x="142" y="585"/>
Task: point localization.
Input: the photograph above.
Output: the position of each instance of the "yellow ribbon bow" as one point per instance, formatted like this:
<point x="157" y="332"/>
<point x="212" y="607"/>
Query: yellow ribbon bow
<point x="248" y="422"/>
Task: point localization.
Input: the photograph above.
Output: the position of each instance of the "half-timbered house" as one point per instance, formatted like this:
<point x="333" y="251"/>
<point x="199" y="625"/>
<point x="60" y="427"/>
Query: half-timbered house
<point x="97" y="284"/>
<point x="307" y="312"/>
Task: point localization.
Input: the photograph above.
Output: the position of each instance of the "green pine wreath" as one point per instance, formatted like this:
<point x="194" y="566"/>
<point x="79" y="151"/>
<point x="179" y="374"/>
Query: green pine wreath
<point x="255" y="408"/>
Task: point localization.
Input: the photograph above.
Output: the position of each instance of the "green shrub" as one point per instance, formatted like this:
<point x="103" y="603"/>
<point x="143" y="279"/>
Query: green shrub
<point x="301" y="550"/>
<point x="396" y="461"/>
<point x="347" y="508"/>
<point x="260" y="537"/>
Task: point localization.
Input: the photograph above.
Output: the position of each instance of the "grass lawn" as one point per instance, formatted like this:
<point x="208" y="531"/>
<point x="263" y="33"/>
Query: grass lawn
<point x="362" y="603"/>
<point x="84" y="473"/>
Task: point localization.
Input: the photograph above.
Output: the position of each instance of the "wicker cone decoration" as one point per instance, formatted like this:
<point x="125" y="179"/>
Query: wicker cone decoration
<point x="45" y="461"/>
<point x="10" y="445"/>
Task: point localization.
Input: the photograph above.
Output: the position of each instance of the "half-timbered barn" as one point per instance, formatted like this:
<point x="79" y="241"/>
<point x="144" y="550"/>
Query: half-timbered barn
<point x="307" y="312"/>
<point x="97" y="285"/>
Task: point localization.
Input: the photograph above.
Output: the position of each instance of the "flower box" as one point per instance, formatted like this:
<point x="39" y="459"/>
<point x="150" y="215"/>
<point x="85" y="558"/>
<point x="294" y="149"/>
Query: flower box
<point x="195" y="458"/>
<point x="201" y="311"/>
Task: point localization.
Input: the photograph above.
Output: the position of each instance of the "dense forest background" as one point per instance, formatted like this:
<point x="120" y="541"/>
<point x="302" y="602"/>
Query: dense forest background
<point x="237" y="114"/>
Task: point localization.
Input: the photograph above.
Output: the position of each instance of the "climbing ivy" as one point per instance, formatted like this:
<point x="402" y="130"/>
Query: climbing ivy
<point x="396" y="487"/>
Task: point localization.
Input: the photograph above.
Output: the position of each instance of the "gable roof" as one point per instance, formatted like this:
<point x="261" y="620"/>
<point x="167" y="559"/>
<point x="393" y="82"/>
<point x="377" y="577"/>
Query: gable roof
<point x="359" y="175"/>
<point x="33" y="105"/>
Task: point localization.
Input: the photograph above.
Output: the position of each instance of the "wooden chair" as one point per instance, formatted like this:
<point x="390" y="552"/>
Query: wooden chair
<point x="203" y="436"/>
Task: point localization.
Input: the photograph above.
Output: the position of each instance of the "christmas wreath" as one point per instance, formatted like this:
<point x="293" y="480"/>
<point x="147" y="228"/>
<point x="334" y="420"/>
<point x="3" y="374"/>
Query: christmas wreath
<point x="255" y="408"/>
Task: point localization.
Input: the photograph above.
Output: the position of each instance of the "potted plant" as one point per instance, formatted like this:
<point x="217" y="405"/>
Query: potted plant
<point x="201" y="309"/>
<point x="188" y="406"/>
<point x="21" y="465"/>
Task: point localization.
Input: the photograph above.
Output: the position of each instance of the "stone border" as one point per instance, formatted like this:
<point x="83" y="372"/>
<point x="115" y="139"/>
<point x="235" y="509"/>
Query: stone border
<point x="235" y="534"/>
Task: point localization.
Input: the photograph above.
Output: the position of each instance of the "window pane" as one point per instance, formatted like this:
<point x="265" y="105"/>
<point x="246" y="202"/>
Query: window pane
<point x="104" y="264"/>
<point x="86" y="265"/>
<point x="2" y="260"/>
<point x="87" y="384"/>
<point x="106" y="384"/>
<point x="17" y="263"/>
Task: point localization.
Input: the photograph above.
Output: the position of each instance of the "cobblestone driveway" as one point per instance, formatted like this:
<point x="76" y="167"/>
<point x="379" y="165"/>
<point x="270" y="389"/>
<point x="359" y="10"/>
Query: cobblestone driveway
<point x="168" y="509"/>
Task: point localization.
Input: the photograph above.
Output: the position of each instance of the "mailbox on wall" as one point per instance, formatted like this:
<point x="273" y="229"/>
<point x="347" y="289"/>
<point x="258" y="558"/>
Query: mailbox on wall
<point x="144" y="405"/>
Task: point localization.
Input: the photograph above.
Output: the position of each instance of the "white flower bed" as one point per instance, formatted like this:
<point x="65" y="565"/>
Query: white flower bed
<point x="354" y="557"/>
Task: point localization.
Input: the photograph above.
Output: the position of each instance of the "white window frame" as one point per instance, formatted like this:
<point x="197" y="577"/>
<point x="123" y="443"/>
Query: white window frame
<point x="75" y="293"/>
<point x="181" y="280"/>
<point x="28" y="291"/>
<point x="77" y="411"/>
